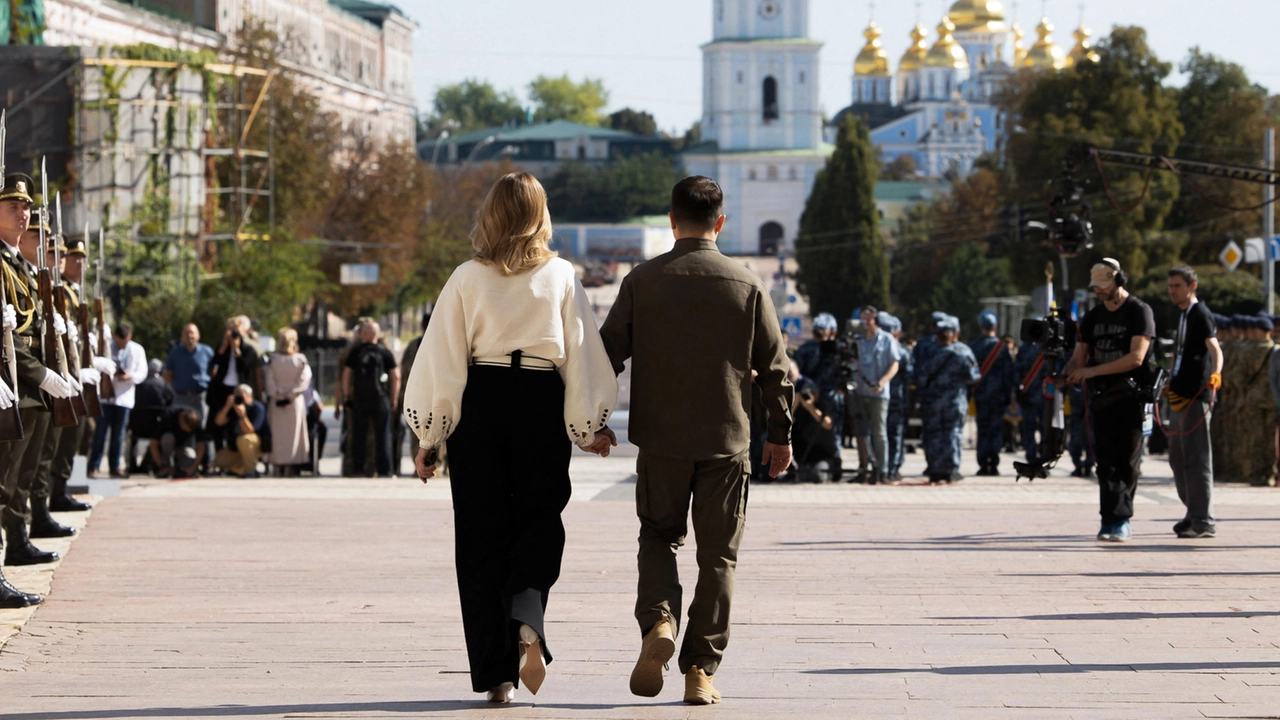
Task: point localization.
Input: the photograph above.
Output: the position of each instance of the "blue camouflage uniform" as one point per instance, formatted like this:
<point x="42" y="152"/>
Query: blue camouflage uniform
<point x="924" y="350"/>
<point x="896" y="424"/>
<point x="991" y="394"/>
<point x="1032" y="398"/>
<point x="946" y="377"/>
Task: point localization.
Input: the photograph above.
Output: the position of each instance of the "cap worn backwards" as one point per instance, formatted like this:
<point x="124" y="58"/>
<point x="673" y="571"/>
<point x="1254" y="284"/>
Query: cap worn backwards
<point x="1104" y="273"/>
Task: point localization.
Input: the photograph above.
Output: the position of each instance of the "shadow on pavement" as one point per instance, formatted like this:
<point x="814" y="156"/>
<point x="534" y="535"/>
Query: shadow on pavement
<point x="1139" y="575"/>
<point x="408" y="708"/>
<point x="1127" y="616"/>
<point x="1052" y="669"/>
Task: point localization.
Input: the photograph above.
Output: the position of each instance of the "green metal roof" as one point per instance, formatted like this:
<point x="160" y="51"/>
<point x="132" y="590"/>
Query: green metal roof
<point x="907" y="191"/>
<point x="711" y="147"/>
<point x="373" y="12"/>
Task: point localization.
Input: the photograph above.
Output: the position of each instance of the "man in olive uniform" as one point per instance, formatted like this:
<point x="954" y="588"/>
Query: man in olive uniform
<point x="35" y="383"/>
<point x="61" y="444"/>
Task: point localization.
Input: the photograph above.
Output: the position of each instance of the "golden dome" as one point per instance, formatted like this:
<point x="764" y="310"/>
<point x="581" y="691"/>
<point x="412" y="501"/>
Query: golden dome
<point x="1019" y="50"/>
<point x="913" y="58"/>
<point x="977" y="16"/>
<point x="946" y="52"/>
<point x="1083" y="51"/>
<point x="872" y="60"/>
<point x="1044" y="54"/>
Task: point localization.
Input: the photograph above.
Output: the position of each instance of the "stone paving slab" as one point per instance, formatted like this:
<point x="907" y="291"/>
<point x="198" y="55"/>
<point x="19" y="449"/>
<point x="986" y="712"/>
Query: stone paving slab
<point x="336" y="599"/>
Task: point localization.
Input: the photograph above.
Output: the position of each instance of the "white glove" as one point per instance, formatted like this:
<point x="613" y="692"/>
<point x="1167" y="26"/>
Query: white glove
<point x="75" y="384"/>
<point x="90" y="376"/>
<point x="10" y="317"/>
<point x="73" y="333"/>
<point x="7" y="398"/>
<point x="106" y="366"/>
<point x="55" y="385"/>
<point x="59" y="325"/>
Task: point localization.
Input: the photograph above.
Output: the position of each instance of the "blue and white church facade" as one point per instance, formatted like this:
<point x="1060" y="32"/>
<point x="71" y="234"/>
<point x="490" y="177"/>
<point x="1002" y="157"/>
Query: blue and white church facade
<point x="939" y="106"/>
<point x="762" y="124"/>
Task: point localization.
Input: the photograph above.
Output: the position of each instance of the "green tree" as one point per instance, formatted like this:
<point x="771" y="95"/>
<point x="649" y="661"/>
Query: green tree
<point x="563" y="99"/>
<point x="968" y="276"/>
<point x="629" y="187"/>
<point x="1225" y="116"/>
<point x="1119" y="100"/>
<point x="473" y="104"/>
<point x="839" y="250"/>
<point x="636" y="121"/>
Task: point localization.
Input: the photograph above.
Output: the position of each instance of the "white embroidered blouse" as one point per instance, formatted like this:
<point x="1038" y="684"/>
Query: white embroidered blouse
<point x="481" y="313"/>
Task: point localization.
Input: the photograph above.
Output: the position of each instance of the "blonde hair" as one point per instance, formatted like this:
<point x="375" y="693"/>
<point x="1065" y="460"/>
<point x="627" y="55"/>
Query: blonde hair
<point x="287" y="341"/>
<point x="513" y="230"/>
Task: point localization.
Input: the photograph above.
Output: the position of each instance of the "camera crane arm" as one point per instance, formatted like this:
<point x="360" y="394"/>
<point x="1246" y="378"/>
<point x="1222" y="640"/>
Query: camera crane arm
<point x="1080" y="154"/>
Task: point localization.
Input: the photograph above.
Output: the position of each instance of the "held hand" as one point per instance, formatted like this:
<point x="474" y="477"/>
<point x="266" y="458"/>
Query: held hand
<point x="337" y="411"/>
<point x="604" y="440"/>
<point x="90" y="376"/>
<point x="73" y="333"/>
<point x="827" y="423"/>
<point x="59" y="325"/>
<point x="1215" y="382"/>
<point x="10" y="317"/>
<point x="7" y="398"/>
<point x="425" y="471"/>
<point x="777" y="457"/>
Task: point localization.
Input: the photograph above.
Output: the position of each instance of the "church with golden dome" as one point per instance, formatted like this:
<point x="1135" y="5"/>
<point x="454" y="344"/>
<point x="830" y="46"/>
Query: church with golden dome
<point x="938" y="107"/>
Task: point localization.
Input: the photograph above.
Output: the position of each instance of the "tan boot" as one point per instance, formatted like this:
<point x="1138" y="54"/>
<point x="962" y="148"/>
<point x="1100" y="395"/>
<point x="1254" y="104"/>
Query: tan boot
<point x="658" y="647"/>
<point x="533" y="669"/>
<point x="698" y="689"/>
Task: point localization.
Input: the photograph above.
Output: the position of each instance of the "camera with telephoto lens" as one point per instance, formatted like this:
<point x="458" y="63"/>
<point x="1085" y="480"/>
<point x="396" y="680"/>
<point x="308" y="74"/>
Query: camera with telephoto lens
<point x="845" y="347"/>
<point x="237" y="400"/>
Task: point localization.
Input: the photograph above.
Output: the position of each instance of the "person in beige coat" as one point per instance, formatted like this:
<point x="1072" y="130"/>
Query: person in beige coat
<point x="287" y="377"/>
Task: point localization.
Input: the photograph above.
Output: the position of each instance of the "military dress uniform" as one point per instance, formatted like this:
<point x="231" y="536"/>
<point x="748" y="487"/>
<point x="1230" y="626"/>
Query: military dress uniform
<point x="61" y="444"/>
<point x="19" y="458"/>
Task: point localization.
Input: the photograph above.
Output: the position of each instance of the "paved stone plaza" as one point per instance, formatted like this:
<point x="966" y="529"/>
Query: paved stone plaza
<point x="329" y="598"/>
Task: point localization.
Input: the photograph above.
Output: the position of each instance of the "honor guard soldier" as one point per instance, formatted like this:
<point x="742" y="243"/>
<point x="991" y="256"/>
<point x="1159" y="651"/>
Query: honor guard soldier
<point x="60" y="444"/>
<point x="36" y="384"/>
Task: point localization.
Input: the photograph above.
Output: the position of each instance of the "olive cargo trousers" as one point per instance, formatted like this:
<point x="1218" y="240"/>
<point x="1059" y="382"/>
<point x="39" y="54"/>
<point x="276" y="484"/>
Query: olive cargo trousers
<point x="718" y="490"/>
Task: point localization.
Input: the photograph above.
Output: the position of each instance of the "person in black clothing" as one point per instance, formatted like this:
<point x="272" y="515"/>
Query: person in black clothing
<point x="174" y="449"/>
<point x="1197" y="372"/>
<point x="236" y="362"/>
<point x="370" y="399"/>
<point x="1115" y="342"/>
<point x="151" y="398"/>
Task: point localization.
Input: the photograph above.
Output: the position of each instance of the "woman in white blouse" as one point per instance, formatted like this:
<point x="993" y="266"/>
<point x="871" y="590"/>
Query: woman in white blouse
<point x="512" y="373"/>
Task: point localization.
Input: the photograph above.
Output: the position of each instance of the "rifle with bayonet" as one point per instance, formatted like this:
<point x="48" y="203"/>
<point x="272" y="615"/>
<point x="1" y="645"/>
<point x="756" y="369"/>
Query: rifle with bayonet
<point x="69" y="350"/>
<point x="107" y="388"/>
<point x="11" y="419"/>
<point x="91" y="401"/>
<point x="55" y="358"/>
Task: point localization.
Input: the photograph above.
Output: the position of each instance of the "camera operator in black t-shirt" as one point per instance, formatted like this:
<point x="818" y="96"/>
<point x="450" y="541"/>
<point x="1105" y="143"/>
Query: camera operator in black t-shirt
<point x="1114" y="347"/>
<point x="1197" y="373"/>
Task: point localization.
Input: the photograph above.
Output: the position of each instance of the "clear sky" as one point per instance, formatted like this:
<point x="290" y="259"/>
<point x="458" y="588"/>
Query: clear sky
<point x="647" y="52"/>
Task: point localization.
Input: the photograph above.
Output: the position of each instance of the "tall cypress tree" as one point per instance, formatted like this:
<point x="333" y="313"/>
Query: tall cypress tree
<point x="840" y="251"/>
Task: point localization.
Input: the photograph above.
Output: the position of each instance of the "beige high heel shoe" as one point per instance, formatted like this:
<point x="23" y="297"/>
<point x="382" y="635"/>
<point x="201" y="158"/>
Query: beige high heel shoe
<point x="533" y="669"/>
<point x="503" y="694"/>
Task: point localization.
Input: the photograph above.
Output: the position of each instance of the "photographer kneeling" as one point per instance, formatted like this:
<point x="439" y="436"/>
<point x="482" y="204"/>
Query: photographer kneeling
<point x="242" y="418"/>
<point x="1115" y="341"/>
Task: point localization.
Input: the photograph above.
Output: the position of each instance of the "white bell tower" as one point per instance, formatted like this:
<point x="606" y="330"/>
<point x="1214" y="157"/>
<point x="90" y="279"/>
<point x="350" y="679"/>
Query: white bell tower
<point x="761" y="121"/>
<point x="760" y="77"/>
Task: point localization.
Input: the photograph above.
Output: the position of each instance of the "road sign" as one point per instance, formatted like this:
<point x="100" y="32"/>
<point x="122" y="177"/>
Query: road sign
<point x="1231" y="255"/>
<point x="358" y="274"/>
<point x="791" y="325"/>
